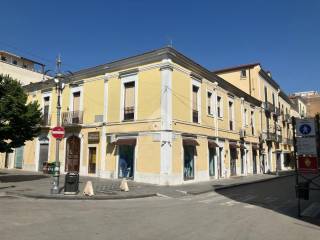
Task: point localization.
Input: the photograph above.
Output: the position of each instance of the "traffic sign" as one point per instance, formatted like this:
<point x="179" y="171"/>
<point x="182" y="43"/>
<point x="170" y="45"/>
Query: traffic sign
<point x="305" y="127"/>
<point x="308" y="164"/>
<point x="306" y="146"/>
<point x="57" y="132"/>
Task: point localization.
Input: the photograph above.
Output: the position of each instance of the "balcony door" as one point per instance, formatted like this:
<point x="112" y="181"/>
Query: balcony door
<point x="76" y="107"/>
<point x="73" y="154"/>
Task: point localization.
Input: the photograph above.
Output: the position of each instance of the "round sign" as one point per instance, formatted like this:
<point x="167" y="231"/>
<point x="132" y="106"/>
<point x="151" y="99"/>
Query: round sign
<point x="305" y="129"/>
<point x="58" y="132"/>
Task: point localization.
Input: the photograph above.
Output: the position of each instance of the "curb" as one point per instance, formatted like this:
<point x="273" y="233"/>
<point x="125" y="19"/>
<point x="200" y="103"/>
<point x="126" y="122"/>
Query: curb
<point x="238" y="184"/>
<point x="80" y="197"/>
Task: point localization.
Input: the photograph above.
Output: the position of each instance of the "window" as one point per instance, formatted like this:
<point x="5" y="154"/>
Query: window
<point x="129" y="104"/>
<point x="76" y="101"/>
<point x="24" y="66"/>
<point x="252" y="122"/>
<point x="3" y="58"/>
<point x="245" y="120"/>
<point x="219" y="107"/>
<point x="195" y="110"/>
<point x="14" y="62"/>
<point x="46" y="105"/>
<point x="265" y="94"/>
<point x="209" y="103"/>
<point x="231" y="115"/>
<point x="273" y="99"/>
<point x="243" y="73"/>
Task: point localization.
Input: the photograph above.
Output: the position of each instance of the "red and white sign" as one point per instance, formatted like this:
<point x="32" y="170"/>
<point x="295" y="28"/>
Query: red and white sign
<point x="308" y="164"/>
<point x="57" y="132"/>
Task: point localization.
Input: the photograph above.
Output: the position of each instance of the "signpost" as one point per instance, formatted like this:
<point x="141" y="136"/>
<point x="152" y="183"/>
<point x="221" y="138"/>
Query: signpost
<point x="58" y="132"/>
<point x="306" y="137"/>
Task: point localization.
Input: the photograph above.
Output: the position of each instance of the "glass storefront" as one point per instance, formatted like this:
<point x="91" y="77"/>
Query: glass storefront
<point x="126" y="161"/>
<point x="188" y="172"/>
<point x="212" y="168"/>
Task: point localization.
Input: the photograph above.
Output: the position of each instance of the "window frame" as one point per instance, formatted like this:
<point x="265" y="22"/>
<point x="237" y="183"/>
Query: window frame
<point x="242" y="76"/>
<point x="197" y="84"/>
<point x="220" y="106"/>
<point x="230" y="100"/>
<point x="211" y="113"/>
<point x="127" y="79"/>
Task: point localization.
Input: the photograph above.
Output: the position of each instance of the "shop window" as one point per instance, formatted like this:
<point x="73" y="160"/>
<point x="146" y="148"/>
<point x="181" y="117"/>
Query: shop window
<point x="188" y="168"/>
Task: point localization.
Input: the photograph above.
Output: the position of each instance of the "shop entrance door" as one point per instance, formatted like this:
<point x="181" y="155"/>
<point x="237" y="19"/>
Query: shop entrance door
<point x="126" y="161"/>
<point x="254" y="161"/>
<point x="212" y="167"/>
<point x="188" y="172"/>
<point x="72" y="154"/>
<point x="43" y="155"/>
<point x="18" y="159"/>
<point x="233" y="161"/>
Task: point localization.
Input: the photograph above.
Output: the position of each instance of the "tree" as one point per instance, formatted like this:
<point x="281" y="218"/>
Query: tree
<point x="19" y="121"/>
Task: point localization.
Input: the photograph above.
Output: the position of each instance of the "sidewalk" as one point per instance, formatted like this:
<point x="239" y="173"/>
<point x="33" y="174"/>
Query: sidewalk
<point x="37" y="185"/>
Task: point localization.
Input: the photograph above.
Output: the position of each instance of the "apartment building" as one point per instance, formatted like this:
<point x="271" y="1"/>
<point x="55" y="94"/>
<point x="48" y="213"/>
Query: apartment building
<point x="276" y="135"/>
<point x="160" y="118"/>
<point x="310" y="100"/>
<point x="23" y="69"/>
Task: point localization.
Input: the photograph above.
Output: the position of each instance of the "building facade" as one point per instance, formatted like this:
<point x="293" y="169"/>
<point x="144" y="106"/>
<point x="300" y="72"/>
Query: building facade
<point x="310" y="99"/>
<point x="24" y="70"/>
<point x="276" y="134"/>
<point x="159" y="118"/>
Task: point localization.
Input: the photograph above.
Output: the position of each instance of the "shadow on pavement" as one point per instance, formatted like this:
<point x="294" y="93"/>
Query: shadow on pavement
<point x="277" y="195"/>
<point x="20" y="178"/>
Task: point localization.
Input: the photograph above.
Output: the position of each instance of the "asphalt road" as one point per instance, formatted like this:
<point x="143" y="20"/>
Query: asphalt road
<point x="257" y="211"/>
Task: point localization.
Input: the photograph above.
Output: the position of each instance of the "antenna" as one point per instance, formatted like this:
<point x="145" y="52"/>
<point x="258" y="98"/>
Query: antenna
<point x="170" y="41"/>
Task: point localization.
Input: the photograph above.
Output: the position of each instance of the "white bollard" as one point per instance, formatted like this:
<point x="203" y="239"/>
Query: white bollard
<point x="88" y="189"/>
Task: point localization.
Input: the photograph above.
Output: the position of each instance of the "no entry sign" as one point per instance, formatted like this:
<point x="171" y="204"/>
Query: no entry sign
<point x="57" y="132"/>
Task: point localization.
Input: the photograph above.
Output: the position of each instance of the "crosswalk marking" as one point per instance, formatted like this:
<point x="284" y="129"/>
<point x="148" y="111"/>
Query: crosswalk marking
<point x="312" y="211"/>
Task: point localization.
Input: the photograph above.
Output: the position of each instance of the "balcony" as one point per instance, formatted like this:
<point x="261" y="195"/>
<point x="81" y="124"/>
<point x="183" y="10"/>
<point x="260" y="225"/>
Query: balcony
<point x="72" y="118"/>
<point x="268" y="136"/>
<point x="287" y="118"/>
<point x="128" y="114"/>
<point x="268" y="107"/>
<point x="45" y="120"/>
<point x="276" y="112"/>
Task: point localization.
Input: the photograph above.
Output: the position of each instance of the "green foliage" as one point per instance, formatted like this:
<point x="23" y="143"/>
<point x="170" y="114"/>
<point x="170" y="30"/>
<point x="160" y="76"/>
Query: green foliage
<point x="19" y="121"/>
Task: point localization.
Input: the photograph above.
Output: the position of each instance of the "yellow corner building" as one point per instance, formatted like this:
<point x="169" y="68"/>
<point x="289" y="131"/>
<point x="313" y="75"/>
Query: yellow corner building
<point x="161" y="118"/>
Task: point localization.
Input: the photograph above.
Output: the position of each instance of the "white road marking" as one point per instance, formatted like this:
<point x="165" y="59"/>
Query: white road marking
<point x="312" y="211"/>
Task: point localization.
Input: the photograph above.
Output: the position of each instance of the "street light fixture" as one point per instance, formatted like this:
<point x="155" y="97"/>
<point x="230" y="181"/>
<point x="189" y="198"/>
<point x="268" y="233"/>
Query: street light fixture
<point x="58" y="79"/>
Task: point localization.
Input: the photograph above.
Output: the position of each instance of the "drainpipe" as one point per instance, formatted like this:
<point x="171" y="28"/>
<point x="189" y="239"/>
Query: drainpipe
<point x="216" y="131"/>
<point x="250" y="83"/>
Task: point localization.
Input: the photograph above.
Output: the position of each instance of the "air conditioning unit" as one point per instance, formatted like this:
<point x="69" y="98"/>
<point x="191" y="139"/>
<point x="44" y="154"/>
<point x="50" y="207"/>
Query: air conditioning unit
<point x="111" y="138"/>
<point x="242" y="133"/>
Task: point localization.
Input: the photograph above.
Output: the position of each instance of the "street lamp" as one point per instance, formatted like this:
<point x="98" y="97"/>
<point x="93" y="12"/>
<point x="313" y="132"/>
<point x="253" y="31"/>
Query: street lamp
<point x="59" y="87"/>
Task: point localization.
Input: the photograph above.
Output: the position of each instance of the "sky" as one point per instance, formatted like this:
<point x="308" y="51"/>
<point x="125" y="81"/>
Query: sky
<point x="284" y="36"/>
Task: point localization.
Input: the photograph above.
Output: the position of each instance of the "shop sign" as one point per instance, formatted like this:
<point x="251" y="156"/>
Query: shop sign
<point x="93" y="137"/>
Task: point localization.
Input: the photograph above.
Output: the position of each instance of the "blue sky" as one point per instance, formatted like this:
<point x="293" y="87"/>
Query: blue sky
<point x="283" y="35"/>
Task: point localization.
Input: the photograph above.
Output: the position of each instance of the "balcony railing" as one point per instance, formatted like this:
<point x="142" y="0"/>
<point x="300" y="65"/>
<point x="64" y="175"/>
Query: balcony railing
<point x="288" y="141"/>
<point x="269" y="136"/>
<point x="269" y="107"/>
<point x="128" y="113"/>
<point x="45" y="120"/>
<point x="72" y="118"/>
<point x="195" y="116"/>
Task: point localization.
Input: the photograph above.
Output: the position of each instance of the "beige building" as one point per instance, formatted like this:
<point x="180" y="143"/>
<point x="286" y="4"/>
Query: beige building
<point x="310" y="100"/>
<point x="24" y="70"/>
<point x="159" y="117"/>
<point x="276" y="135"/>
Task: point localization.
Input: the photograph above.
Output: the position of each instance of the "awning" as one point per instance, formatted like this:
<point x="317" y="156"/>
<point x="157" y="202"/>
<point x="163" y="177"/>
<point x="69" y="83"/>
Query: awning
<point x="126" y="140"/>
<point x="233" y="145"/>
<point x="212" y="144"/>
<point x="188" y="141"/>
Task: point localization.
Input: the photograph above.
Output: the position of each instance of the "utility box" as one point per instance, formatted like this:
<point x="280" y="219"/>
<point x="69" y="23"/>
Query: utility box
<point x="302" y="190"/>
<point x="71" y="184"/>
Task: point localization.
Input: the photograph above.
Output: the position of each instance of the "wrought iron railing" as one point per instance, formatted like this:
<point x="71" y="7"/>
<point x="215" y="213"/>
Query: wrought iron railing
<point x="72" y="117"/>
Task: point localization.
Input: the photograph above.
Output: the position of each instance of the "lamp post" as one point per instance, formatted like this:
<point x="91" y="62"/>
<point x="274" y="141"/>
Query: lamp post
<point x="59" y="87"/>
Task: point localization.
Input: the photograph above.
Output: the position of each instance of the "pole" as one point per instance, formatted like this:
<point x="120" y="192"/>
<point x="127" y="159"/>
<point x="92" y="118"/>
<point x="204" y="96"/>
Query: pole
<point x="55" y="185"/>
<point x="293" y="120"/>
